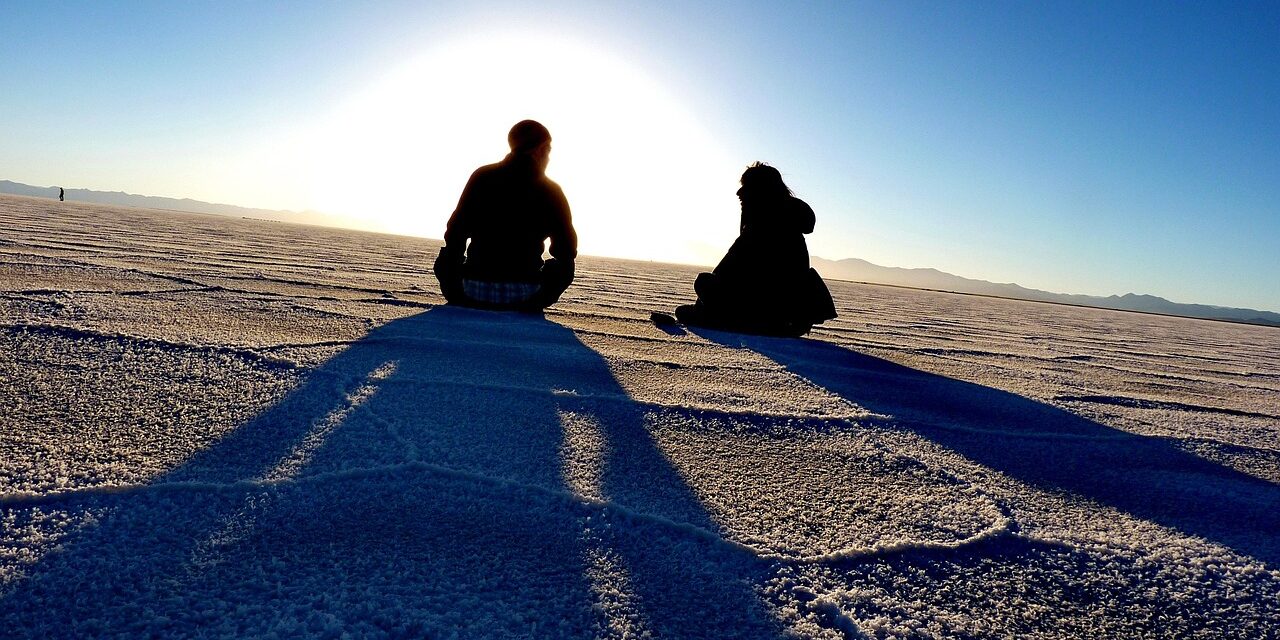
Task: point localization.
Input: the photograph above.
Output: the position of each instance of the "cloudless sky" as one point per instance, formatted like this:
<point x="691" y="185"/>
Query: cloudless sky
<point x="1097" y="148"/>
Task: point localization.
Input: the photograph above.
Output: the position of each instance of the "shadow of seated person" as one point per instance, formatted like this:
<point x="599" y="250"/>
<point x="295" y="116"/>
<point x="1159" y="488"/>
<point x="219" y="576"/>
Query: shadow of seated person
<point x="764" y="283"/>
<point x="492" y="258"/>
<point x="430" y="470"/>
<point x="1044" y="446"/>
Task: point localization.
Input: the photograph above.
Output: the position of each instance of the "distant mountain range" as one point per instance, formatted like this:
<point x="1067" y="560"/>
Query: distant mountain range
<point x="848" y="269"/>
<point x="177" y="204"/>
<point x="863" y="271"/>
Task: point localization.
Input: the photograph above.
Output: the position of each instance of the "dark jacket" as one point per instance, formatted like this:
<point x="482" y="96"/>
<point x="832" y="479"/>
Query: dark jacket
<point x="764" y="283"/>
<point x="770" y="254"/>
<point x="507" y="211"/>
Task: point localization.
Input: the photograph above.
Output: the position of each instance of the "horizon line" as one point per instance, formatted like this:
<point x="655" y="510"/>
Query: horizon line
<point x="338" y="218"/>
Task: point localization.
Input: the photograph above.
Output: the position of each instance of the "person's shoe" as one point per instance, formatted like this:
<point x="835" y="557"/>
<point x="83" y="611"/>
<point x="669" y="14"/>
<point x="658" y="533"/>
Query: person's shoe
<point x="688" y="313"/>
<point x="663" y="319"/>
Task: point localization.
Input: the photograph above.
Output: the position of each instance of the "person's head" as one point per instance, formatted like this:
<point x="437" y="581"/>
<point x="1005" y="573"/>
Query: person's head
<point x="530" y="138"/>
<point x="762" y="182"/>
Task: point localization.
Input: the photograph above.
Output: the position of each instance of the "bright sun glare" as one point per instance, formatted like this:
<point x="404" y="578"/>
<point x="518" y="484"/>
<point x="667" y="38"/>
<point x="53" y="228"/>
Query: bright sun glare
<point x="643" y="178"/>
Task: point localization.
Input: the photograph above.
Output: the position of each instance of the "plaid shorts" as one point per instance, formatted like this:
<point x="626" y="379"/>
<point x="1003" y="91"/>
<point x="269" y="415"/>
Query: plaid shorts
<point x="499" y="292"/>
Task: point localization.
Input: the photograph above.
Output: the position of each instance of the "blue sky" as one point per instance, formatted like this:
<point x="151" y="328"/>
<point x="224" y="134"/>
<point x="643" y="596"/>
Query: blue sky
<point x="1096" y="148"/>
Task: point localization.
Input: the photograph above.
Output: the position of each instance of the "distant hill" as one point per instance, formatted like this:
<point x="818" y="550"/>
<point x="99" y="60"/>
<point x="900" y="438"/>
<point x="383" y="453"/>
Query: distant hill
<point x="863" y="271"/>
<point x="178" y="204"/>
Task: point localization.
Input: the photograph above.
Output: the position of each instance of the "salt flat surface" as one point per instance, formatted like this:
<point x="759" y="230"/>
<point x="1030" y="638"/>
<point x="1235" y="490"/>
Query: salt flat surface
<point x="213" y="427"/>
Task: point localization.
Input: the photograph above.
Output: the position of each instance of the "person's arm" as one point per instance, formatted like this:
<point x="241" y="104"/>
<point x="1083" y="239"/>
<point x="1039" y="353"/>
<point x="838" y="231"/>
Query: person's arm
<point x="564" y="239"/>
<point x="458" y="229"/>
<point x="734" y="262"/>
<point x="448" y="265"/>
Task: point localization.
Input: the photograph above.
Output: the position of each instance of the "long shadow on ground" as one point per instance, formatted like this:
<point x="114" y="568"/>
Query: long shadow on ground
<point x="1045" y="446"/>
<point x="420" y="483"/>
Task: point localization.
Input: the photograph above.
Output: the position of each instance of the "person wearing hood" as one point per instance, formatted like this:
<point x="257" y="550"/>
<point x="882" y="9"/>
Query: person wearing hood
<point x="495" y="238"/>
<point x="764" y="283"/>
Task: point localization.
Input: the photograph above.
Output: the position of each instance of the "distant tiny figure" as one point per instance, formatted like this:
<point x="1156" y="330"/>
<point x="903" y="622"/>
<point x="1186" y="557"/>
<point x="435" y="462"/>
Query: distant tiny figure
<point x="61" y="194"/>
<point x="492" y="256"/>
<point x="764" y="284"/>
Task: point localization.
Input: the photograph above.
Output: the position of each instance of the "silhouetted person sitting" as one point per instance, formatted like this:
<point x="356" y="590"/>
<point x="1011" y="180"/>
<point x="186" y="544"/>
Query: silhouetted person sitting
<point x="764" y="283"/>
<point x="506" y="212"/>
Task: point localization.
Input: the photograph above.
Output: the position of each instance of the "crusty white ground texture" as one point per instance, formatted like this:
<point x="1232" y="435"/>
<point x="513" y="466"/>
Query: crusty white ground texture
<point x="213" y="427"/>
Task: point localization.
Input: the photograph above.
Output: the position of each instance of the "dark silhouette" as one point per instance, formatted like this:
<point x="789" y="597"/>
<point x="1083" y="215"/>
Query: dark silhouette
<point x="61" y="194"/>
<point x="764" y="283"/>
<point x="492" y="256"/>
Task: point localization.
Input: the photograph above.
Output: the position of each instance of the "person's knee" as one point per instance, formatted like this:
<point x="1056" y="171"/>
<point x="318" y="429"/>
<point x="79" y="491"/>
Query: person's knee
<point x="707" y="286"/>
<point x="453" y="293"/>
<point x="557" y="271"/>
<point x="557" y="275"/>
<point x="448" y="272"/>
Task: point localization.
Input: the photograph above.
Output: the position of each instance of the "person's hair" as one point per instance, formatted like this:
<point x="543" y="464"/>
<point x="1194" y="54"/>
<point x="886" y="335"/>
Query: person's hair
<point x="764" y="180"/>
<point x="527" y="135"/>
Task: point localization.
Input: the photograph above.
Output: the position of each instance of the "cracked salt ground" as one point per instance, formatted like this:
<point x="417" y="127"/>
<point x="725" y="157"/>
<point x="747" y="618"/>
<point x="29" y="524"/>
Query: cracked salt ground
<point x="88" y="409"/>
<point x="215" y="427"/>
<point x="177" y="317"/>
<point x="447" y="553"/>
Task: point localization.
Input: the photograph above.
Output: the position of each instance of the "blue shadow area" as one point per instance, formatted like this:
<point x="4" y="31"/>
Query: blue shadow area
<point x="425" y="496"/>
<point x="1045" y="446"/>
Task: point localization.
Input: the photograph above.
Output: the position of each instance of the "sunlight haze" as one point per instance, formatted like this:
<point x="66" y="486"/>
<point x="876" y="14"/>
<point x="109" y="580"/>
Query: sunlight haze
<point x="633" y="162"/>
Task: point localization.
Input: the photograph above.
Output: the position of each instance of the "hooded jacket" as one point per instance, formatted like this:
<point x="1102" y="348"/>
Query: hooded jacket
<point x="770" y="253"/>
